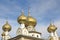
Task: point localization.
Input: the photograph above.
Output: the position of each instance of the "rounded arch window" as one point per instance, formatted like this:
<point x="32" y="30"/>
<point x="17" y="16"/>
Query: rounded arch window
<point x="37" y="35"/>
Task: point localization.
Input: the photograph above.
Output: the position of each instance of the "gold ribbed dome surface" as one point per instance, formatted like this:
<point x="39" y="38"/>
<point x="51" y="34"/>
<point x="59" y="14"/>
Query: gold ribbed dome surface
<point x="3" y="34"/>
<point x="31" y="21"/>
<point x="22" y="18"/>
<point x="51" y="28"/>
<point x="6" y="27"/>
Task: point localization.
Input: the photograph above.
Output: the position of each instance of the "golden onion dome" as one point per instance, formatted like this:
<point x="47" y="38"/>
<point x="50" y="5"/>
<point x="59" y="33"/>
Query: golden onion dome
<point x="22" y="18"/>
<point x="3" y="34"/>
<point x="31" y="21"/>
<point x="6" y="27"/>
<point x="51" y="28"/>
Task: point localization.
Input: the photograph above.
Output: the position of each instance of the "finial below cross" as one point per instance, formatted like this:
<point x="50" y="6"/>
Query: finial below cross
<point x="29" y="11"/>
<point x="51" y="22"/>
<point x="6" y="18"/>
<point x="22" y="12"/>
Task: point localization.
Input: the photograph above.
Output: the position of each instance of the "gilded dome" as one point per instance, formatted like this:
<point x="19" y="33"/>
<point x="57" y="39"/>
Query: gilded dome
<point x="3" y="34"/>
<point x="31" y="21"/>
<point x="51" y="28"/>
<point x="22" y="18"/>
<point x="6" y="27"/>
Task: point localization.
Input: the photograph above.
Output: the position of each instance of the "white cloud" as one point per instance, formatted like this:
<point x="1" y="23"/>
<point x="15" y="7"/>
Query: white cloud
<point x="9" y="10"/>
<point x="43" y="29"/>
<point x="43" y="7"/>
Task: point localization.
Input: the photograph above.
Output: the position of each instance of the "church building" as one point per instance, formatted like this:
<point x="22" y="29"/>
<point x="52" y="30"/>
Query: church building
<point x="27" y="30"/>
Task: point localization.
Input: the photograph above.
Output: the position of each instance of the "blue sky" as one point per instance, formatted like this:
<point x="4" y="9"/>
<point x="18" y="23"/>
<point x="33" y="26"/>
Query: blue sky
<point x="42" y="10"/>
